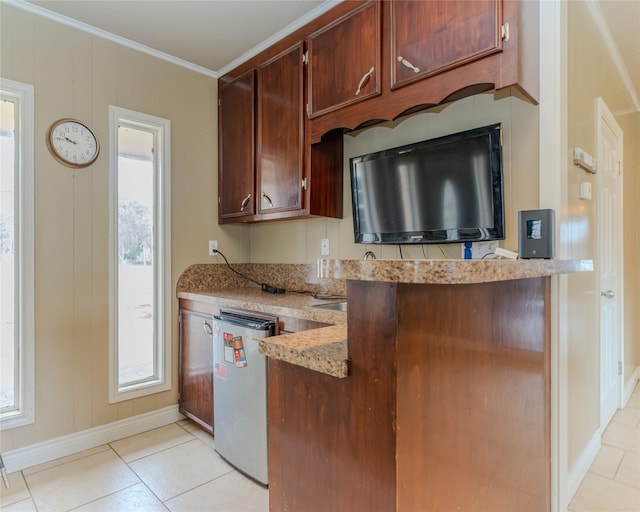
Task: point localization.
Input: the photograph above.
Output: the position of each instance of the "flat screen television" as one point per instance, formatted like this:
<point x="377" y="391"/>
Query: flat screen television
<point x="443" y="190"/>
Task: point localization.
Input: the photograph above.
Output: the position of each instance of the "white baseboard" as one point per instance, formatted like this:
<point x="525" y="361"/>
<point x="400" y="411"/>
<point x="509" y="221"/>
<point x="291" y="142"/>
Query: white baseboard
<point x="630" y="386"/>
<point x="588" y="455"/>
<point x="45" y="451"/>
<point x="579" y="470"/>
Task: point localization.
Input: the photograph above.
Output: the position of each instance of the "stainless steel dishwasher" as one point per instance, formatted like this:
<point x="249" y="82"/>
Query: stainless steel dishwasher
<point x="240" y="392"/>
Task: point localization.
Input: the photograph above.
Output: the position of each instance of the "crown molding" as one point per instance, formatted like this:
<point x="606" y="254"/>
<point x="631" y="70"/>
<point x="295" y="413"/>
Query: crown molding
<point x="289" y="29"/>
<point x="98" y="32"/>
<point x="614" y="53"/>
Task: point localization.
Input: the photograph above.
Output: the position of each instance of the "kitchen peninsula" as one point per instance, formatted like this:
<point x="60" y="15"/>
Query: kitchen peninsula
<point x="446" y="405"/>
<point x="432" y="392"/>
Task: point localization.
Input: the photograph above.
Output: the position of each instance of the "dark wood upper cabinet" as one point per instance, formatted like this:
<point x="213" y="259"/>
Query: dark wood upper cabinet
<point x="281" y="122"/>
<point x="281" y="175"/>
<point x="436" y="52"/>
<point x="431" y="37"/>
<point x="280" y="155"/>
<point x="236" y="172"/>
<point x="344" y="60"/>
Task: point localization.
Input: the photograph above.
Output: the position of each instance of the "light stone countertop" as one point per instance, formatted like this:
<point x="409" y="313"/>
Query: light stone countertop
<point x="447" y="271"/>
<point x="252" y="298"/>
<point x="325" y="349"/>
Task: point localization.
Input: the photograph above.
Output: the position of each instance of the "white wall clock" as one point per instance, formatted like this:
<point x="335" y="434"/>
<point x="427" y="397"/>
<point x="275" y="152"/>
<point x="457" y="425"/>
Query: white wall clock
<point x="72" y="143"/>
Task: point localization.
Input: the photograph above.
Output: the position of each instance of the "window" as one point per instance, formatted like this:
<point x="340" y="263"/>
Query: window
<point x="140" y="304"/>
<point x="16" y="254"/>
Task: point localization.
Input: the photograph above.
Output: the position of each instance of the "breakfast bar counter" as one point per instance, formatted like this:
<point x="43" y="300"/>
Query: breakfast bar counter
<point x="431" y="392"/>
<point x="446" y="405"/>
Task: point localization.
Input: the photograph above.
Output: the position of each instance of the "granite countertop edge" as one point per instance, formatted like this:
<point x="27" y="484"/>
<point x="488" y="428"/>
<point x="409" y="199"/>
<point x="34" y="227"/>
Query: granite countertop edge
<point x="447" y="271"/>
<point x="323" y="349"/>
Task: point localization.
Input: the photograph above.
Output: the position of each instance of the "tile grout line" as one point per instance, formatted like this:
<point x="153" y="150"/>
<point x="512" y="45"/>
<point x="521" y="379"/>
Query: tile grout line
<point x="159" y="451"/>
<point x="106" y="495"/>
<point x="198" y="486"/>
<point x="26" y="484"/>
<point x="137" y="475"/>
<point x="63" y="463"/>
<point x="128" y="464"/>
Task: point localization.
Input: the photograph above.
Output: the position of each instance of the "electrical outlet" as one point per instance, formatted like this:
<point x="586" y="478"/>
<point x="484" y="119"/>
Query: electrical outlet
<point x="324" y="247"/>
<point x="213" y="247"/>
<point x="479" y="250"/>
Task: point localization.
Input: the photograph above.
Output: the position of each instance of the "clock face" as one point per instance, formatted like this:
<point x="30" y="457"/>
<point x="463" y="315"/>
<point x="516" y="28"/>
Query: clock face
<point x="72" y="143"/>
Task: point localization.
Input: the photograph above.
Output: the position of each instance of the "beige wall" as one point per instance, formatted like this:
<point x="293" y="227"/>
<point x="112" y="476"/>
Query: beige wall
<point x="298" y="241"/>
<point x="71" y="208"/>
<point x="630" y="125"/>
<point x="590" y="75"/>
<point x="78" y="75"/>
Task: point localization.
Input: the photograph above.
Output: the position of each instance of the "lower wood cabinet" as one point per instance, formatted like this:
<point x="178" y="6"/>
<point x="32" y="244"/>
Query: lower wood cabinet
<point x="446" y="406"/>
<point x="196" y="367"/>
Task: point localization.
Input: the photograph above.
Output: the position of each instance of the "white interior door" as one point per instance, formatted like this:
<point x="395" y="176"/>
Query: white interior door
<point x="610" y="260"/>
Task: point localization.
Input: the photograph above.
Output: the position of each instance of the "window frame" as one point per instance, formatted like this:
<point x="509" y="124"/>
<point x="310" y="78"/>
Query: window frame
<point x="161" y="128"/>
<point x="22" y="95"/>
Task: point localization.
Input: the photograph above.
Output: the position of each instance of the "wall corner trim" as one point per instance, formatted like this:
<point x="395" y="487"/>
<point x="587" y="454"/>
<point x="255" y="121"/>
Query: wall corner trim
<point x="614" y="53"/>
<point x="629" y="386"/>
<point x="581" y="467"/>
<point x="45" y="451"/>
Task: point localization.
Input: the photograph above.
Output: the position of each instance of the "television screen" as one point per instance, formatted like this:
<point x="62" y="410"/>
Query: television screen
<point x="440" y="190"/>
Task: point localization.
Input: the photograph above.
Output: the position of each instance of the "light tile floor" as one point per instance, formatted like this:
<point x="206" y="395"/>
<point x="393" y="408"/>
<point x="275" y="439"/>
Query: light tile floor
<point x="175" y="468"/>
<point x="613" y="481"/>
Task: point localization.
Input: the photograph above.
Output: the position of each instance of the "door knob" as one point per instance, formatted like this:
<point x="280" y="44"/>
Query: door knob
<point x="609" y="294"/>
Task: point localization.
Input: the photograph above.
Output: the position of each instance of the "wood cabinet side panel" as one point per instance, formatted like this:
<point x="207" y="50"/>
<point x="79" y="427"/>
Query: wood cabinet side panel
<point x="325" y="177"/>
<point x="332" y="441"/>
<point x="473" y="397"/>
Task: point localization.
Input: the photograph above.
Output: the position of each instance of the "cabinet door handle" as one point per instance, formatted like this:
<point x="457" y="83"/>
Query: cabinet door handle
<point x="245" y="202"/>
<point x="207" y="328"/>
<point x="267" y="199"/>
<point x="408" y="64"/>
<point x="364" y="79"/>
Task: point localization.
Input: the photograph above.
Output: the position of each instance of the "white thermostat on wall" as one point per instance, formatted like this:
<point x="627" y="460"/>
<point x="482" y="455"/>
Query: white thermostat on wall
<point x="585" y="190"/>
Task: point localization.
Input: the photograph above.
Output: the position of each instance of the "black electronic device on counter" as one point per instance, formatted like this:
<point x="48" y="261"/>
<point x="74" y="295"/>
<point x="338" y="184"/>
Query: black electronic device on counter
<point x="536" y="234"/>
<point x="442" y="190"/>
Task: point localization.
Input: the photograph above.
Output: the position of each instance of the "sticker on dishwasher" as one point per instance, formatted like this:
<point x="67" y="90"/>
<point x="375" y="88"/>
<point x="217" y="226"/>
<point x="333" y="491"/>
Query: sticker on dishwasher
<point x="220" y="371"/>
<point x="238" y="352"/>
<point x="228" y="347"/>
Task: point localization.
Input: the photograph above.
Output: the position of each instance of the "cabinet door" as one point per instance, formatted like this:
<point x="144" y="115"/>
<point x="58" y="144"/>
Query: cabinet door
<point x="280" y="132"/>
<point x="344" y="61"/>
<point x="196" y="367"/>
<point x="430" y="37"/>
<point x="236" y="149"/>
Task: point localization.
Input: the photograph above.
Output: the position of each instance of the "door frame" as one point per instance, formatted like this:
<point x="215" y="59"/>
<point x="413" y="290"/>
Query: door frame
<point x="553" y="154"/>
<point x="604" y="116"/>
